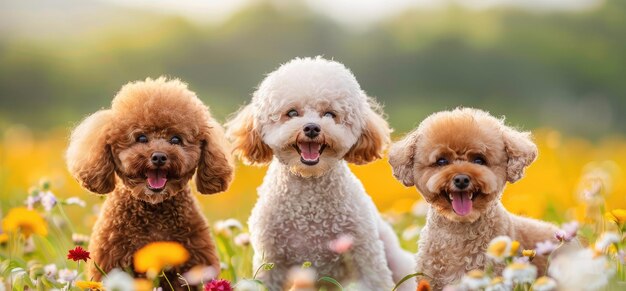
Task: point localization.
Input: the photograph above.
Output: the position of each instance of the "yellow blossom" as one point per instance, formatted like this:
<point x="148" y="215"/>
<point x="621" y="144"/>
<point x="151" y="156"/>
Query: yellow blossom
<point x="617" y="215"/>
<point x="154" y="257"/>
<point x="4" y="238"/>
<point x="496" y="280"/>
<point x="476" y="274"/>
<point x="529" y="253"/>
<point x="499" y="248"/>
<point x="514" y="248"/>
<point x="26" y="221"/>
<point x="91" y="285"/>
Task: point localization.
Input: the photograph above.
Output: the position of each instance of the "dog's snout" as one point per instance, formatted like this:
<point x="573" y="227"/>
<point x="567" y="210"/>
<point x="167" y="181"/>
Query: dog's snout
<point x="461" y="181"/>
<point x="311" y="130"/>
<point x="158" y="158"/>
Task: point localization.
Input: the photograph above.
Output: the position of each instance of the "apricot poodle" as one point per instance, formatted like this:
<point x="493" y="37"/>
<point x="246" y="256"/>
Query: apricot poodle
<point x="144" y="150"/>
<point x="309" y="119"/>
<point x="460" y="161"/>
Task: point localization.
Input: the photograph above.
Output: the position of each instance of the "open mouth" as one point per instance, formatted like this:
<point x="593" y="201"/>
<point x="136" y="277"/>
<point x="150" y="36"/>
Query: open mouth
<point x="310" y="152"/>
<point x="156" y="179"/>
<point x="462" y="201"/>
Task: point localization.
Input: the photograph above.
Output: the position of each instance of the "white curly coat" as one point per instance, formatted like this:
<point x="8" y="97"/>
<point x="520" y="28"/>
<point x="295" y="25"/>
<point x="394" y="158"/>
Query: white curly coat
<point x="301" y="208"/>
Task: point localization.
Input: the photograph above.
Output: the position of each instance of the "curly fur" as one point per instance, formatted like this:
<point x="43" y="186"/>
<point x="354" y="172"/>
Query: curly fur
<point x="105" y="156"/>
<point x="451" y="244"/>
<point x="302" y="207"/>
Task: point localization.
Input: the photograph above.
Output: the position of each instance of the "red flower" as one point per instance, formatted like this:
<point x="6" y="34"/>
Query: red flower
<point x="218" y="285"/>
<point x="78" y="254"/>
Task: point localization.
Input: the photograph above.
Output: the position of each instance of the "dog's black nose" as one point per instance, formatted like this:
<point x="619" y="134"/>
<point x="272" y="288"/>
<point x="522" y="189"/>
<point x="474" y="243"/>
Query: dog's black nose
<point x="461" y="181"/>
<point x="158" y="158"/>
<point x="311" y="130"/>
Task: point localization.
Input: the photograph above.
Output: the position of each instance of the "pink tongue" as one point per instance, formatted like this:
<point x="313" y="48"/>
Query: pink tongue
<point x="157" y="178"/>
<point x="461" y="203"/>
<point x="310" y="151"/>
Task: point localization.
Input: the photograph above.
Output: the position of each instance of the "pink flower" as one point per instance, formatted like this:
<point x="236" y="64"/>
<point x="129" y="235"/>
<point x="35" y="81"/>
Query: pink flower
<point x="545" y="248"/>
<point x="341" y="244"/>
<point x="567" y="232"/>
<point x="560" y="235"/>
<point x="218" y="285"/>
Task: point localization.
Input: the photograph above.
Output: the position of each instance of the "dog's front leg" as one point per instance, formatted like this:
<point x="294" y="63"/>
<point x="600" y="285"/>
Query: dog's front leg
<point x="371" y="265"/>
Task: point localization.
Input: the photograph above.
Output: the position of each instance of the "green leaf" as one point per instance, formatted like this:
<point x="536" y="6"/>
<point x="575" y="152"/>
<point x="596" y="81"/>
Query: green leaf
<point x="332" y="281"/>
<point x="407" y="277"/>
<point x="104" y="274"/>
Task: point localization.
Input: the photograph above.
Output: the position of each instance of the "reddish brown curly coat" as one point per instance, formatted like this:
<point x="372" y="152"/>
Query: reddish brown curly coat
<point x="103" y="156"/>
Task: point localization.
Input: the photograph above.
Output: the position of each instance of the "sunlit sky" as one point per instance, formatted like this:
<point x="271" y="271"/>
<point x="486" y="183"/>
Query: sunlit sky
<point x="351" y="12"/>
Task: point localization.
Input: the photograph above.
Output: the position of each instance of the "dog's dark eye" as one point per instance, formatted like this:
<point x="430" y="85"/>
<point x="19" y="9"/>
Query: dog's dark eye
<point x="292" y="113"/>
<point x="329" y="114"/>
<point x="176" y="140"/>
<point x="142" y="139"/>
<point x="442" y="161"/>
<point x="479" y="161"/>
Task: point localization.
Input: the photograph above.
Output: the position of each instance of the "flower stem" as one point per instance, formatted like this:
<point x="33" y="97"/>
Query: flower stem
<point x="166" y="279"/>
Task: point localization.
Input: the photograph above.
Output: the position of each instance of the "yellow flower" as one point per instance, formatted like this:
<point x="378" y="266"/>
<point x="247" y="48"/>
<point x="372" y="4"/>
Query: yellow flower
<point x="499" y="248"/>
<point x="154" y="257"/>
<point x="25" y="220"/>
<point x="617" y="215"/>
<point x="529" y="253"/>
<point x="496" y="281"/>
<point x="91" y="285"/>
<point x="514" y="248"/>
<point x="143" y="285"/>
<point x="4" y="238"/>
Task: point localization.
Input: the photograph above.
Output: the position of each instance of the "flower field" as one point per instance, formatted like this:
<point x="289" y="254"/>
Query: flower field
<point x="575" y="183"/>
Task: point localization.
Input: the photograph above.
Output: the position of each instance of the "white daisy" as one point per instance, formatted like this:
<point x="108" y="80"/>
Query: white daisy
<point x="67" y="275"/>
<point x="199" y="274"/>
<point x="544" y="284"/>
<point x="520" y="273"/>
<point x="75" y="201"/>
<point x="80" y="239"/>
<point x="248" y="285"/>
<point x="50" y="270"/>
<point x="242" y="239"/>
<point x="226" y="227"/>
<point x="118" y="280"/>
<point x="499" y="248"/>
<point x="606" y="240"/>
<point x="581" y="270"/>
<point x="475" y="280"/>
<point x="497" y="284"/>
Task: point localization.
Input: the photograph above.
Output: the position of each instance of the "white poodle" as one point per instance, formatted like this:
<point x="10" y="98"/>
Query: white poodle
<point x="309" y="118"/>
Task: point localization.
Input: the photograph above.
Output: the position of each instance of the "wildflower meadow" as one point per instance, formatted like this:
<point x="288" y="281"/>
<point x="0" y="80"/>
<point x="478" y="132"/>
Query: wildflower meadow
<point x="555" y="68"/>
<point x="575" y="183"/>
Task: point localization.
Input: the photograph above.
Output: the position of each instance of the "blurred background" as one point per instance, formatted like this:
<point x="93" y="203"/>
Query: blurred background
<point x="556" y="67"/>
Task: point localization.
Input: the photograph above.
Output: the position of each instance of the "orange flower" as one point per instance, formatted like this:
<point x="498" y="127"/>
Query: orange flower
<point x="423" y="285"/>
<point x="154" y="257"/>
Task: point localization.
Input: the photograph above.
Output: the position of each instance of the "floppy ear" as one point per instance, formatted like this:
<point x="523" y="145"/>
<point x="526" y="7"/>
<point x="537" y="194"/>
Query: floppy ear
<point x="247" y="142"/>
<point x="215" y="168"/>
<point x="89" y="158"/>
<point x="373" y="141"/>
<point x="520" y="150"/>
<point x="401" y="158"/>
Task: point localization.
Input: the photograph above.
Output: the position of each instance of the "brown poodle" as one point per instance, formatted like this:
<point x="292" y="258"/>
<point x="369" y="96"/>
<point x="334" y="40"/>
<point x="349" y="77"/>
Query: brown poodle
<point x="460" y="161"/>
<point x="144" y="150"/>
